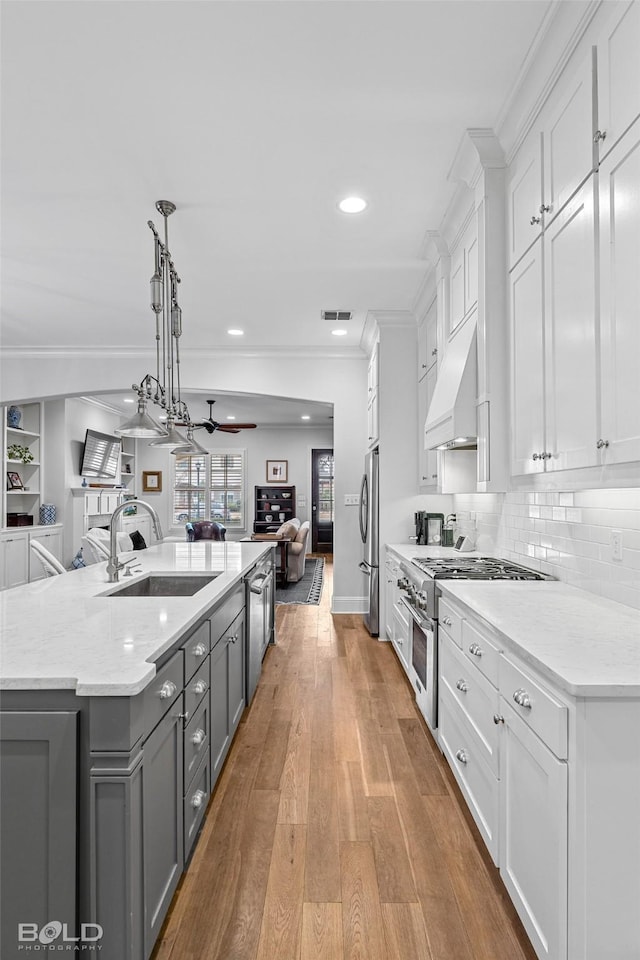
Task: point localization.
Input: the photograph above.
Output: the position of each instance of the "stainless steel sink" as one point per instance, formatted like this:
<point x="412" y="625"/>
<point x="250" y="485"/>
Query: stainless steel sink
<point x="159" y="585"/>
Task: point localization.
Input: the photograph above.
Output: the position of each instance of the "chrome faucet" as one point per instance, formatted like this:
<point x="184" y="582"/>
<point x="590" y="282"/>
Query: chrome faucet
<point x="114" y="566"/>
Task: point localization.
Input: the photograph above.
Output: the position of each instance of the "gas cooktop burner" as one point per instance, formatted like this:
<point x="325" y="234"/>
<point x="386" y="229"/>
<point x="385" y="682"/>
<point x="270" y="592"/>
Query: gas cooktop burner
<point x="474" y="568"/>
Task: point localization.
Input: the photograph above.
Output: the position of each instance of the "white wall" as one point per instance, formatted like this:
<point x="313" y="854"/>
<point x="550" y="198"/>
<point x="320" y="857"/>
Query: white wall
<point x="291" y="444"/>
<point x="566" y="534"/>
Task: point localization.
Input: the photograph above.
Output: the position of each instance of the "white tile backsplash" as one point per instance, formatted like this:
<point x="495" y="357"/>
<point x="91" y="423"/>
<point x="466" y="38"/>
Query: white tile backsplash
<point x="562" y="533"/>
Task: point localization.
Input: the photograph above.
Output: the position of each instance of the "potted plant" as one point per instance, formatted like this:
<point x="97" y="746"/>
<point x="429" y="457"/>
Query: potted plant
<point x="16" y="452"/>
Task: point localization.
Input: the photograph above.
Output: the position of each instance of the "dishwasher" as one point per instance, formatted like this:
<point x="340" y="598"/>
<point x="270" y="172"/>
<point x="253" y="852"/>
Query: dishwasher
<point x="260" y="604"/>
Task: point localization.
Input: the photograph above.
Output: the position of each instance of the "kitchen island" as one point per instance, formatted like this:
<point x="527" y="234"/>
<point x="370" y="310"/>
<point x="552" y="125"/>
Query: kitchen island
<point x="117" y="715"/>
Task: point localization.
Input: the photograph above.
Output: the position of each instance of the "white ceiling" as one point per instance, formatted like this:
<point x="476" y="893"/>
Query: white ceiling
<point x="255" y="118"/>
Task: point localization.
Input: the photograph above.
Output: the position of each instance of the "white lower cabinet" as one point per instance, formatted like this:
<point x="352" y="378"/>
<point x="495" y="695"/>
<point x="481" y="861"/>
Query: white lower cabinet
<point x="553" y="784"/>
<point x="14" y="559"/>
<point x="533" y="834"/>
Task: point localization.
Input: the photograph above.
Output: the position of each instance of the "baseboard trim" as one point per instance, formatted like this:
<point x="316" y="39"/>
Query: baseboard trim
<point x="349" y="604"/>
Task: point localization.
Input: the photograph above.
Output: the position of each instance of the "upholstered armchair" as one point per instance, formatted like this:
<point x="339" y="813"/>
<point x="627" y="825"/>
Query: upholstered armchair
<point x="296" y="552"/>
<point x="205" y="530"/>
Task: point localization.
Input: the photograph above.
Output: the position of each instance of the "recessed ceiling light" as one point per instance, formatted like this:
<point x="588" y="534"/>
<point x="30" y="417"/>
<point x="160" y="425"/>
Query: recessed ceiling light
<point x="352" y="205"/>
<point x="236" y="333"/>
<point x="230" y="418"/>
<point x="128" y="400"/>
<point x="339" y="333"/>
<point x="305" y="416"/>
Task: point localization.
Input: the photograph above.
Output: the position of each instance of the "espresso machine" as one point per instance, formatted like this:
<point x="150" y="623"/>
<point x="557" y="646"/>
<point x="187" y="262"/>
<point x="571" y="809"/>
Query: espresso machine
<point x="429" y="527"/>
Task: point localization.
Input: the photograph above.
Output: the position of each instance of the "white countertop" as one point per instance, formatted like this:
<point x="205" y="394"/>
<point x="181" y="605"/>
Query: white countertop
<point x="59" y="633"/>
<point x="587" y="645"/>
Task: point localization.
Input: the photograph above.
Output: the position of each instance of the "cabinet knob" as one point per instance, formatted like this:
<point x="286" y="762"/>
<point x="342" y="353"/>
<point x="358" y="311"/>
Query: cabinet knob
<point x="198" y="798"/>
<point x="434" y="476"/>
<point x="184" y="716"/>
<point x="447" y="621"/>
<point x="424" y="366"/>
<point x="522" y="698"/>
<point x="545" y="208"/>
<point x="599" y="135"/>
<point x="462" y="686"/>
<point x="232" y="639"/>
<point x="198" y="737"/>
<point x="535" y="221"/>
<point x="434" y="352"/>
<point x="199" y="650"/>
<point x="167" y="690"/>
<point x="475" y="649"/>
<point x="536" y="456"/>
<point x="497" y="718"/>
<point x="602" y="443"/>
<point x="200" y="686"/>
<point x="461" y="755"/>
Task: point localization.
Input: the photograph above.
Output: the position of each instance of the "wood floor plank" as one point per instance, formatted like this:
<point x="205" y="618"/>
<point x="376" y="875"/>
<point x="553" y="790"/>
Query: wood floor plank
<point x="426" y="769"/>
<point x="294" y="784"/>
<point x="353" y="813"/>
<point x="282" y="916"/>
<point x="393" y="868"/>
<point x="322" y="875"/>
<point x="362" y="926"/>
<point x="374" y="766"/>
<point x="274" y="753"/>
<point x="321" y="932"/>
<point x="405" y="932"/>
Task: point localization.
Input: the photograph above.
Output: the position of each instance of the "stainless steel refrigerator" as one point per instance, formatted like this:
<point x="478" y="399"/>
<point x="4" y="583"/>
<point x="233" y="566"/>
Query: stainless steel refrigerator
<point x="369" y="534"/>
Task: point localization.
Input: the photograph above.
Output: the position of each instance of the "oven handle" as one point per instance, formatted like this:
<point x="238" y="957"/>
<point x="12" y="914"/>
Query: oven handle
<point x="425" y="623"/>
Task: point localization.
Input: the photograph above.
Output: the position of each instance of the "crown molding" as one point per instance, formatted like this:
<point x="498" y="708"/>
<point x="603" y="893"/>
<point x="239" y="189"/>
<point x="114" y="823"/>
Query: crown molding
<point x="144" y="353"/>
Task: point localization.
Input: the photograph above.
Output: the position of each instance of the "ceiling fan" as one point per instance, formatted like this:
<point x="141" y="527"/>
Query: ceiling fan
<point x="210" y="425"/>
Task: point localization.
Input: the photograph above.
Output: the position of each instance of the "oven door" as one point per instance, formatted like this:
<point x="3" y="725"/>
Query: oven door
<point x="424" y="662"/>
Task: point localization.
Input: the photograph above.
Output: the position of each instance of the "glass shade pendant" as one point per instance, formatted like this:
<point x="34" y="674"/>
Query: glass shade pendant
<point x="141" y="424"/>
<point x="171" y="436"/>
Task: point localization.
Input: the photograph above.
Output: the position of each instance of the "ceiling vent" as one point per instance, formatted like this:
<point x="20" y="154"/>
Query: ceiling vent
<point x="336" y="316"/>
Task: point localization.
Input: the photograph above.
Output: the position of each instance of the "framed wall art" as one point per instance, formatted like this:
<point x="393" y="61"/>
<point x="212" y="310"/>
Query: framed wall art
<point x="277" y="471"/>
<point x="152" y="481"/>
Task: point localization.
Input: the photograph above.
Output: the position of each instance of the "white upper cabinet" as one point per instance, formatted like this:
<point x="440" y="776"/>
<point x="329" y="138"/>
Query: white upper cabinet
<point x="524" y="197"/>
<point x="527" y="363"/>
<point x="618" y="55"/>
<point x="464" y="275"/>
<point x="567" y="139"/>
<point x="428" y="340"/>
<point x="570" y="335"/>
<point x="619" y="439"/>
<point x="373" y="376"/>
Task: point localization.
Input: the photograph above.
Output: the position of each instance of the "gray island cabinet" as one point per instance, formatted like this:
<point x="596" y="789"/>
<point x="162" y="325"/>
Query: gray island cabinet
<point x="103" y="796"/>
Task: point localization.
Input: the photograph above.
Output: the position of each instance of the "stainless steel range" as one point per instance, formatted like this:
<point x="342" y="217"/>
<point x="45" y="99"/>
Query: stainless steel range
<point x="420" y="597"/>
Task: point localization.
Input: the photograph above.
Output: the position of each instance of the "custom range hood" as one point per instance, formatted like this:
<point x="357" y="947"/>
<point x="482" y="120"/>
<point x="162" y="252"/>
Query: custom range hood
<point x="451" y="418"/>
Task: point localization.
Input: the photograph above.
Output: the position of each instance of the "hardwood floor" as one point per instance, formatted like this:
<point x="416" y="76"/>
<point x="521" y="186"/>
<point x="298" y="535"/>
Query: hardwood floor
<point x="336" y="831"/>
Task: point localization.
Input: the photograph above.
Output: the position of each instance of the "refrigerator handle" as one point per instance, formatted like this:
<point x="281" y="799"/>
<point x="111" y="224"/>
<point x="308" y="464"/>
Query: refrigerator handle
<point x="365" y="568"/>
<point x="362" y="517"/>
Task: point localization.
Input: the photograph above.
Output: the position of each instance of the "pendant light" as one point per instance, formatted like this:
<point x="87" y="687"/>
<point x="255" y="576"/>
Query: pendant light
<point x="191" y="447"/>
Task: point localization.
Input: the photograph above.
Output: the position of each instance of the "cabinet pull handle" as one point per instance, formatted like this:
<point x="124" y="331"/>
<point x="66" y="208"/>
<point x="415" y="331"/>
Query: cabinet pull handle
<point x="199" y="650"/>
<point x="599" y="135"/>
<point x="536" y="456"/>
<point x="497" y="718"/>
<point x="447" y="621"/>
<point x="535" y="221"/>
<point x="546" y="455"/>
<point x="475" y="649"/>
<point x="522" y="698"/>
<point x="462" y="686"/>
<point x="198" y="798"/>
<point x="198" y="737"/>
<point x="461" y="756"/>
<point x="167" y="690"/>
<point x="602" y="443"/>
<point x="200" y="686"/>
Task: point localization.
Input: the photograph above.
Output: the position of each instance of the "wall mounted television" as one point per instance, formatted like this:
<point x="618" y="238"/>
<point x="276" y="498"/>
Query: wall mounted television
<point x="100" y="456"/>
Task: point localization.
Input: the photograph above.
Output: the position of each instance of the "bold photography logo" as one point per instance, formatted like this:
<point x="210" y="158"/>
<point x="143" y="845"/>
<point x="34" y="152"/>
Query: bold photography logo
<point x="54" y="935"/>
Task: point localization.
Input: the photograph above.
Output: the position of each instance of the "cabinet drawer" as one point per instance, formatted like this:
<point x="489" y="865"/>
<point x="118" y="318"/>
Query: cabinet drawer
<point x="476" y="697"/>
<point x="196" y="648"/>
<point x="226" y="612"/>
<point x="450" y="620"/>
<point x="163" y="691"/>
<point x="196" y="688"/>
<point x="478" y="784"/>
<point x="196" y="741"/>
<point x="545" y="715"/>
<point x="481" y="652"/>
<point x="195" y="804"/>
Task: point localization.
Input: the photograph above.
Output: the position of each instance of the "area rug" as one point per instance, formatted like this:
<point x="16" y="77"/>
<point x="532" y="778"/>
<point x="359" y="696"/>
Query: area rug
<point x="309" y="588"/>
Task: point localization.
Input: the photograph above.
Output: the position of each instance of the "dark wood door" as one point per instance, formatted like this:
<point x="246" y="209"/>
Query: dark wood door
<point x="322" y="501"/>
